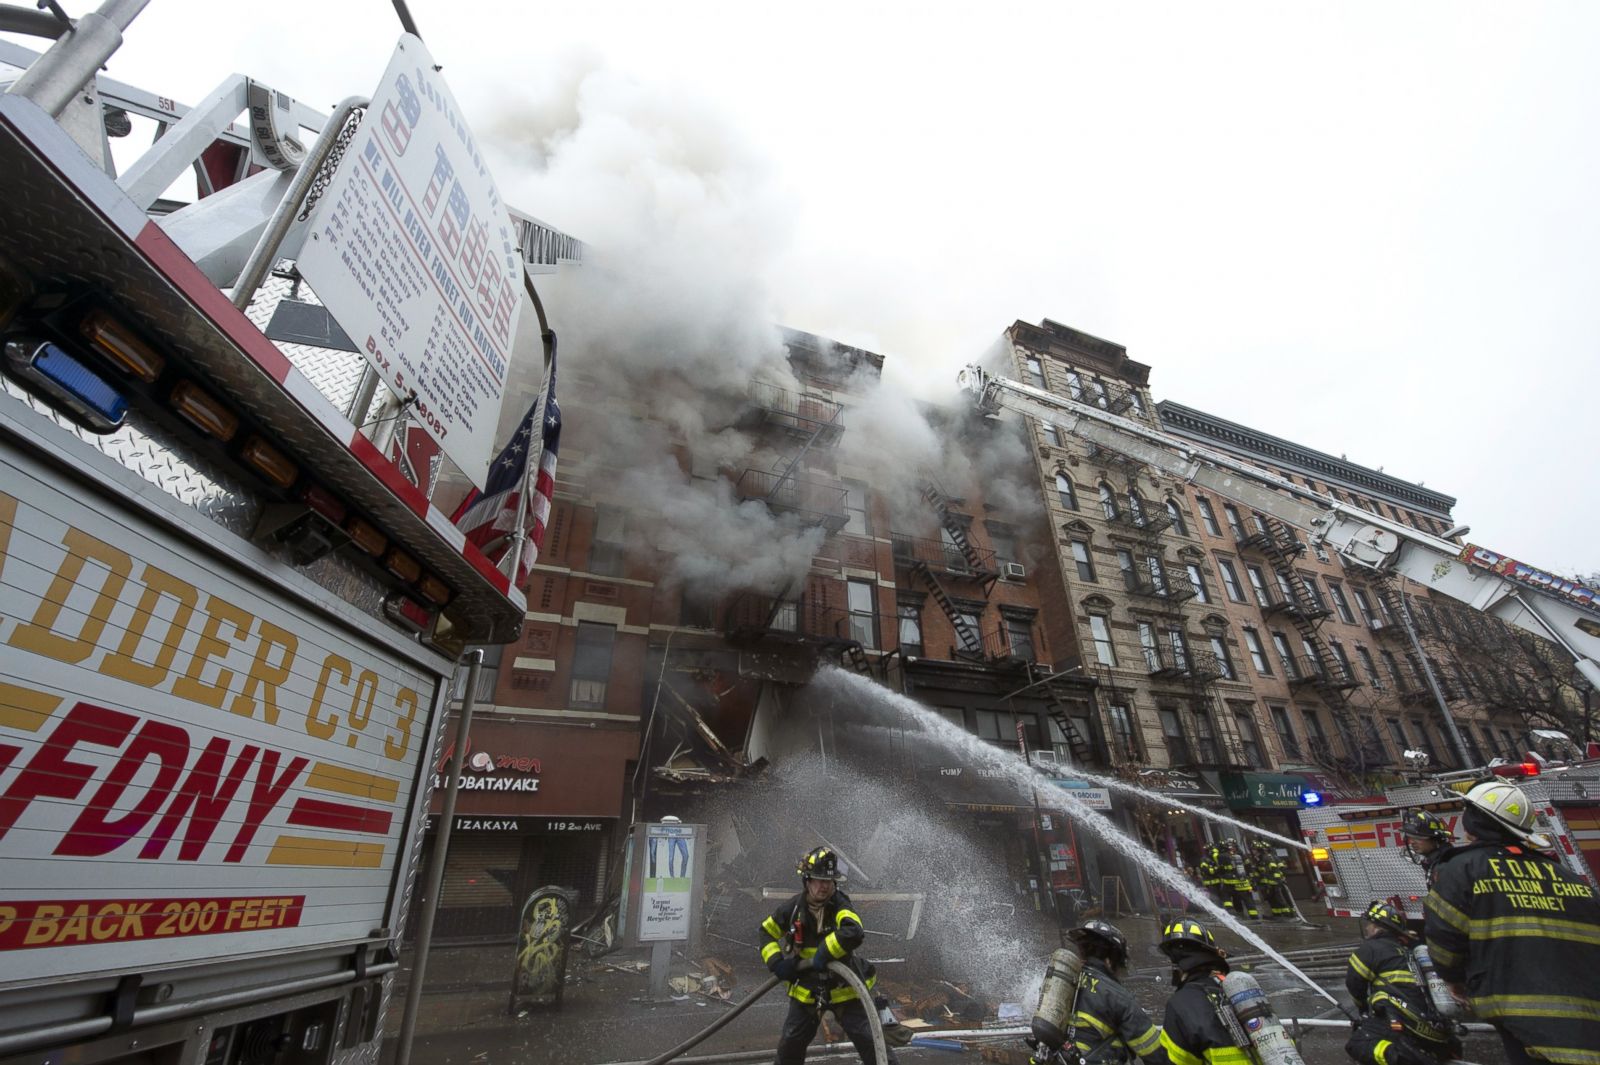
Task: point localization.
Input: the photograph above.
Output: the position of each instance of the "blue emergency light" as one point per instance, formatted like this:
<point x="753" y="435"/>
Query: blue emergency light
<point x="66" y="383"/>
<point x="1311" y="798"/>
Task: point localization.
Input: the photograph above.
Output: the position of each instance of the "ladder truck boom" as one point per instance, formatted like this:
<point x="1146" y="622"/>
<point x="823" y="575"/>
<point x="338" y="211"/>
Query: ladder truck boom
<point x="1558" y="609"/>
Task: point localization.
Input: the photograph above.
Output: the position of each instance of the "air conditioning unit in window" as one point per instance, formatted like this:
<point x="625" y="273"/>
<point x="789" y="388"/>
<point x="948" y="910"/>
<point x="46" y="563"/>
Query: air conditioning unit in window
<point x="1013" y="571"/>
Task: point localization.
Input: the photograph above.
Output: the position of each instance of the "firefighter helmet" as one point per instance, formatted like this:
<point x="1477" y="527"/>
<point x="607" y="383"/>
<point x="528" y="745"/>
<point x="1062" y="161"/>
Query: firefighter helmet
<point x="1182" y="934"/>
<point x="1105" y="935"/>
<point x="1425" y="824"/>
<point x="820" y="863"/>
<point x="1506" y="803"/>
<point x="1384" y="915"/>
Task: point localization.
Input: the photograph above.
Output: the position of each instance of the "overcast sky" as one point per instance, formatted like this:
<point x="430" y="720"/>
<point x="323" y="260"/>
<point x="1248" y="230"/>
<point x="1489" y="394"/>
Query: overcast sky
<point x="1371" y="228"/>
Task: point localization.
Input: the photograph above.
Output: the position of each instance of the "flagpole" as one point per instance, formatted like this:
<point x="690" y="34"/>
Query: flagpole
<point x="531" y="475"/>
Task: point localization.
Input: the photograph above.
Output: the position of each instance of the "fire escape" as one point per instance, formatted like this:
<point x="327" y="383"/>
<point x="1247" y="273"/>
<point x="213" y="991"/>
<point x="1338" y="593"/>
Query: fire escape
<point x="809" y="422"/>
<point x="955" y="559"/>
<point x="1318" y="669"/>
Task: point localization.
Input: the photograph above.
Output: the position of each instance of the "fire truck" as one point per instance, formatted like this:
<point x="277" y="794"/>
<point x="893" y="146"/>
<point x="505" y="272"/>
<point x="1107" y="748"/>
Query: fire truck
<point x="1358" y="853"/>
<point x="229" y="621"/>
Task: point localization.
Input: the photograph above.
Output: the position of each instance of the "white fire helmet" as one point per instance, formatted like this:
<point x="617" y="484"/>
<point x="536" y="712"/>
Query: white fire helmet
<point x="1509" y="805"/>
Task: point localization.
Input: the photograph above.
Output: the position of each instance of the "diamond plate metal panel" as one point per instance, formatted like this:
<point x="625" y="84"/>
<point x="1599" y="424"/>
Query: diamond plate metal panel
<point x="336" y="374"/>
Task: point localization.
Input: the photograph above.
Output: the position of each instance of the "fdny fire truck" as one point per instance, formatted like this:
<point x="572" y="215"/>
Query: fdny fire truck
<point x="229" y="612"/>
<point x="1358" y="853"/>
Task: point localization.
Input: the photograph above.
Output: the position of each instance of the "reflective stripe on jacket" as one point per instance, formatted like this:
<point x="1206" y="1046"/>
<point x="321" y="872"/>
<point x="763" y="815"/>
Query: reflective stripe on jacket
<point x="813" y="985"/>
<point x="1380" y="980"/>
<point x="1193" y="1034"/>
<point x="1523" y="934"/>
<point x="1112" y="1026"/>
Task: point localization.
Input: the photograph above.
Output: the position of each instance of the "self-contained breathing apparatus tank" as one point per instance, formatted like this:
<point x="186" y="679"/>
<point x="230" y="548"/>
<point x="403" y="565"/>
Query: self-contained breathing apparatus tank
<point x="1254" y="1012"/>
<point x="1054" y="1020"/>
<point x="1444" y="1003"/>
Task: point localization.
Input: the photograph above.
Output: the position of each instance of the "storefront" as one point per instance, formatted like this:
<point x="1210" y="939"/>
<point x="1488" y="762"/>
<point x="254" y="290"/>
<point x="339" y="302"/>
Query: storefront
<point x="537" y="806"/>
<point x="1175" y="834"/>
<point x="1273" y="801"/>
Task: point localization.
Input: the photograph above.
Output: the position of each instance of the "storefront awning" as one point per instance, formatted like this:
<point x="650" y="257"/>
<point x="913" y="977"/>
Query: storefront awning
<point x="1334" y="790"/>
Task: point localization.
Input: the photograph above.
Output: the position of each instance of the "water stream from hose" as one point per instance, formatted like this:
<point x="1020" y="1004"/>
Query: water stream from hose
<point x="1014" y="768"/>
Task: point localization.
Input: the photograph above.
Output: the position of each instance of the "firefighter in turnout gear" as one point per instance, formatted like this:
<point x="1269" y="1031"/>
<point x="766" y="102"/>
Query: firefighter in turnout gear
<point x="1111" y="1028"/>
<point x="1517" y="934"/>
<point x="1426" y="837"/>
<point x="1237" y="893"/>
<point x="1269" y="874"/>
<point x="1398" y="1025"/>
<point x="1210" y="869"/>
<point x="799" y="940"/>
<point x="1194" y="1031"/>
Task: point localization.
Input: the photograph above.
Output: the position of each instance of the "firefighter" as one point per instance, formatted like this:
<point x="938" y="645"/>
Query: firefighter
<point x="1398" y="1024"/>
<point x="1269" y="874"/>
<point x="1193" y="1031"/>
<point x="1236" y="887"/>
<point x="1426" y="837"/>
<point x="1211" y="868"/>
<point x="1516" y="933"/>
<point x="807" y="932"/>
<point x="1111" y="1028"/>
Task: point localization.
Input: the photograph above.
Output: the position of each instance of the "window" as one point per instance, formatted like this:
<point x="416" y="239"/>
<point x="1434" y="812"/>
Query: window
<point x="1000" y="728"/>
<point x="1280" y="643"/>
<point x="1397" y="732"/>
<point x="1138" y="401"/>
<point x="1340" y="603"/>
<point x="1393" y="666"/>
<point x="608" y="547"/>
<point x="1064" y="492"/>
<point x="1052" y="435"/>
<point x="1122" y="730"/>
<point x="1125" y="563"/>
<point x="1344" y="660"/>
<point x="1208" y="517"/>
<point x="1175" y="512"/>
<point x="1425" y="741"/>
<point x="1136" y="507"/>
<point x="1100" y="629"/>
<point x="591" y="665"/>
<point x="1365" y="606"/>
<point x="1075" y="385"/>
<point x="1198" y="579"/>
<point x="1101" y="398"/>
<point x="786" y="616"/>
<point x="1416" y="669"/>
<point x="1230" y="580"/>
<point x="1335" y="493"/>
<point x="1312" y="660"/>
<point x="1309" y="583"/>
<point x="1285" y="589"/>
<point x="1249" y="736"/>
<point x="1314" y="729"/>
<point x="1472" y="745"/>
<point x="1172" y="733"/>
<point x="969" y="634"/>
<point x="1108" y="502"/>
<point x="1280" y="723"/>
<point x="1224" y="661"/>
<point x="1368" y="666"/>
<point x="855" y="508"/>
<point x="1235" y="524"/>
<point x="1148" y="644"/>
<point x="1158" y="576"/>
<point x="1205" y="737"/>
<point x="1019" y="636"/>
<point x="862" y="599"/>
<point x="1004" y="542"/>
<point x="1180" y="648"/>
<point x="910" y="616"/>
<point x="1080" y="555"/>
<point x="1258" y="653"/>
<point x="1511" y="745"/>
<point x="1258" y="585"/>
<point x="1035" y="372"/>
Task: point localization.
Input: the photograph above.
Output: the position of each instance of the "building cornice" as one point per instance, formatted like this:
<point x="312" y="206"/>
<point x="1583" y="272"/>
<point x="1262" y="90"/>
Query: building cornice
<point x="1341" y="473"/>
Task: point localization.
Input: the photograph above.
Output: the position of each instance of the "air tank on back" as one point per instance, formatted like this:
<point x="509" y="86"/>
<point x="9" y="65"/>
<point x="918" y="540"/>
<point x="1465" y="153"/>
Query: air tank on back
<point x="1057" y="998"/>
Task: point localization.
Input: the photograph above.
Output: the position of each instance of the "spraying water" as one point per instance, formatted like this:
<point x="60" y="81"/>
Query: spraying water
<point x="1023" y="775"/>
<point x="1118" y="784"/>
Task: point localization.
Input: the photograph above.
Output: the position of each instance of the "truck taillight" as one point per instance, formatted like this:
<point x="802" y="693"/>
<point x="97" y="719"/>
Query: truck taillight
<point x="269" y="462"/>
<point x="433" y="590"/>
<point x="366" y="536"/>
<point x="1516" y="769"/>
<point x="66" y="384"/>
<point x="323" y="502"/>
<point x="1319" y="854"/>
<point x="204" y="411"/>
<point x="402" y="565"/>
<point x="119" y="344"/>
<point x="407" y="612"/>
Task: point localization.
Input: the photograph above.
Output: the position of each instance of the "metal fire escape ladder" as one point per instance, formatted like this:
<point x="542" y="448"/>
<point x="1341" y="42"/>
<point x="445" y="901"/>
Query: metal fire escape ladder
<point x="971" y="639"/>
<point x="1080" y="746"/>
<point x="786" y="474"/>
<point x="940" y="503"/>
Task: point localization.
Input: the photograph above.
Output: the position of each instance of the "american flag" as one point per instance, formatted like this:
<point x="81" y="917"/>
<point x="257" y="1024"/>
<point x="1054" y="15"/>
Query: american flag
<point x="489" y="518"/>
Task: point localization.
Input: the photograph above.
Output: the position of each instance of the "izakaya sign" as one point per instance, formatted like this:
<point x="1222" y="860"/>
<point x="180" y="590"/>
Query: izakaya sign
<point x="413" y="252"/>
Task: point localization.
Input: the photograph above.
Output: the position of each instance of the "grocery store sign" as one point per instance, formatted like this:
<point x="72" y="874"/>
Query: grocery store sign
<point x="413" y="252"/>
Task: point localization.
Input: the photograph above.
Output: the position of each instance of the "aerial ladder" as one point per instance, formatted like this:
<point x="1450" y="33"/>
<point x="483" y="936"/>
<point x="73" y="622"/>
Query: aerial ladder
<point x="1561" y="610"/>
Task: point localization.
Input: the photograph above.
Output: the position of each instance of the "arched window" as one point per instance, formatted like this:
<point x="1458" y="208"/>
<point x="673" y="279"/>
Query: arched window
<point x="1069" y="498"/>
<point x="1135" y="507"/>
<point x="1108" y="501"/>
<point x="1176" y="513"/>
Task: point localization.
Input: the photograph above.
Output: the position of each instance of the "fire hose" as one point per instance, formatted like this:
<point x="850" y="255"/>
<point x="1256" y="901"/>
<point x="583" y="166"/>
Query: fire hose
<point x="844" y="972"/>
